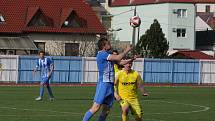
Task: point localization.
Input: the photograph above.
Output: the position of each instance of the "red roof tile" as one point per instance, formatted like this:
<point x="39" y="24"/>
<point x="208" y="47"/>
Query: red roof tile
<point x="208" y="17"/>
<point x="194" y="54"/>
<point x="18" y="13"/>
<point x="142" y="2"/>
<point x="30" y="13"/>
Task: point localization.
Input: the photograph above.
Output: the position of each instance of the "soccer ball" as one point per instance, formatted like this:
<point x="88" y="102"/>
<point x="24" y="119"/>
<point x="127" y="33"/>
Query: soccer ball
<point x="135" y="21"/>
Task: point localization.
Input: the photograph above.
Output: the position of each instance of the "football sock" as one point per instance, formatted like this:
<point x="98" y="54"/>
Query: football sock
<point x="41" y="90"/>
<point x="124" y="118"/>
<point x="101" y="118"/>
<point x="50" y="91"/>
<point x="87" y="116"/>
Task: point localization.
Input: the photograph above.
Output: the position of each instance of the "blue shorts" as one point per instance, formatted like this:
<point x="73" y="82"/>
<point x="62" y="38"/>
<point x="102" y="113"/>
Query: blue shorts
<point x="104" y="93"/>
<point x="45" y="80"/>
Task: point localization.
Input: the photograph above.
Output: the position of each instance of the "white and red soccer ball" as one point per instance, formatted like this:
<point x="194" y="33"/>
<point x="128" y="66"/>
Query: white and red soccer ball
<point x="135" y="21"/>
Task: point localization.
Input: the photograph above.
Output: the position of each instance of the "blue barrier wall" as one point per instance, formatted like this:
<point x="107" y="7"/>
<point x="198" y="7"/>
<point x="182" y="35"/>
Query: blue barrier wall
<point x="67" y="69"/>
<point x="171" y="71"/>
<point x="26" y="65"/>
<point x="70" y="70"/>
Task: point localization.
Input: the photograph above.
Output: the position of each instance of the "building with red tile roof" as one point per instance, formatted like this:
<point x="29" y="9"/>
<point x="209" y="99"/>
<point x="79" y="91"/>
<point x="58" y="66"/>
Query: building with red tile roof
<point x="49" y="23"/>
<point x="191" y="55"/>
<point x="208" y="17"/>
<point x="144" y="2"/>
<point x="205" y="21"/>
<point x="176" y="17"/>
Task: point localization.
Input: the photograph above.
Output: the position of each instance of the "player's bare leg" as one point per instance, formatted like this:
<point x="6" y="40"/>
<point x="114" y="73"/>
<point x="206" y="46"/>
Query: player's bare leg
<point x="95" y="108"/>
<point x="125" y="109"/>
<point x="41" y="91"/>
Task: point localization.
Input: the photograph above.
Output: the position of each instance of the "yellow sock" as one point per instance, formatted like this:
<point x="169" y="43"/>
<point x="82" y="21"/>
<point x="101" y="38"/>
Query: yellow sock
<point x="124" y="118"/>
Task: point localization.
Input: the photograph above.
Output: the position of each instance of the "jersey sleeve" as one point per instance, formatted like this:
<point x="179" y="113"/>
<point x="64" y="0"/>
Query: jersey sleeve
<point x="105" y="55"/>
<point x="117" y="75"/>
<point x="50" y="61"/>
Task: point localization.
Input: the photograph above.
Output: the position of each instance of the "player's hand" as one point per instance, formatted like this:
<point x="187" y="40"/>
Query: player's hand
<point x="49" y="75"/>
<point x="145" y="94"/>
<point x="34" y="72"/>
<point x="118" y="98"/>
<point x="135" y="57"/>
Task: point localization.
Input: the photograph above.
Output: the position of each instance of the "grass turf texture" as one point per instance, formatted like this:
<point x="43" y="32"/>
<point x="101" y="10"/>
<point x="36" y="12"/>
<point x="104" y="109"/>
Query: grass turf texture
<point x="163" y="104"/>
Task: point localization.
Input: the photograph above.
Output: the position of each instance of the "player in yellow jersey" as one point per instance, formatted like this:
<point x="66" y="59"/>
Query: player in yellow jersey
<point x="126" y="83"/>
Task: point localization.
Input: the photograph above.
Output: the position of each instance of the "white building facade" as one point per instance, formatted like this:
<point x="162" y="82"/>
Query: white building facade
<point x="177" y="21"/>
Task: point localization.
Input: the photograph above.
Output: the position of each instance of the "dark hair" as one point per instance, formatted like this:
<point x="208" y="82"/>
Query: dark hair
<point x="101" y="43"/>
<point x="115" y="51"/>
<point x="42" y="52"/>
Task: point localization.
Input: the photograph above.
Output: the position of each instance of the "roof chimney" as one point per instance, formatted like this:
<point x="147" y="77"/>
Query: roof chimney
<point x="207" y="8"/>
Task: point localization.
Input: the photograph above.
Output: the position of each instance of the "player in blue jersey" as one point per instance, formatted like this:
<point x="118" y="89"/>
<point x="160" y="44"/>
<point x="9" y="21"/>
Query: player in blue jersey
<point x="104" y="96"/>
<point x="45" y="66"/>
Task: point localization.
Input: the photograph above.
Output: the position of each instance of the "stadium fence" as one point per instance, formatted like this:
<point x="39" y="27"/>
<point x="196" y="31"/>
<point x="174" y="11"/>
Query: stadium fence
<point x="68" y="69"/>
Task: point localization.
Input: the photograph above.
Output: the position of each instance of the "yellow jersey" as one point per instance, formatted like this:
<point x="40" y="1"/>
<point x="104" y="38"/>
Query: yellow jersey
<point x="127" y="84"/>
<point x="116" y="68"/>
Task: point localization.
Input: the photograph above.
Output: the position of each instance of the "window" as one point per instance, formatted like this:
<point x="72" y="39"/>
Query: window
<point x="207" y="8"/>
<point x="2" y="52"/>
<point x="40" y="46"/>
<point x="182" y="13"/>
<point x="10" y="52"/>
<point x="73" y="21"/>
<point x="72" y="49"/>
<point x="181" y="33"/>
<point x="102" y="1"/>
<point x="40" y="19"/>
<point x="2" y="18"/>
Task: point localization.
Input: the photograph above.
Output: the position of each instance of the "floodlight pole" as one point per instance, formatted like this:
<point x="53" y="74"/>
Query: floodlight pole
<point x="134" y="30"/>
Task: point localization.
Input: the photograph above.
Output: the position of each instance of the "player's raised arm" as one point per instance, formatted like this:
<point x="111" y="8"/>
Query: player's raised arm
<point x="141" y="86"/>
<point x="126" y="61"/>
<point x="119" y="57"/>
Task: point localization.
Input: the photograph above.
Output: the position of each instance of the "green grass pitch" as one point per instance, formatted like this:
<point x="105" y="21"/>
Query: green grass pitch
<point x="163" y="104"/>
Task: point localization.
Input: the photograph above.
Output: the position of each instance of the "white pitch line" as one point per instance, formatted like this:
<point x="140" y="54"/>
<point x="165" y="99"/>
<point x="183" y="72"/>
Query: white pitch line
<point x="205" y="108"/>
<point x="68" y="113"/>
<point x="13" y="108"/>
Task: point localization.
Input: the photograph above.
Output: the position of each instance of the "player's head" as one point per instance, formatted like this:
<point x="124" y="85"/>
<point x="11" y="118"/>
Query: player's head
<point x="41" y="54"/>
<point x="115" y="52"/>
<point x="128" y="66"/>
<point x="104" y="44"/>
